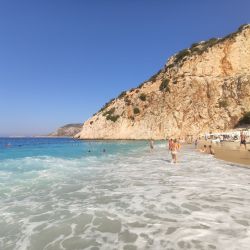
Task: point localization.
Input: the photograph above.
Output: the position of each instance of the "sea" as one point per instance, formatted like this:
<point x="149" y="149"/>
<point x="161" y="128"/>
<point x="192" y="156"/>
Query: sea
<point x="60" y="193"/>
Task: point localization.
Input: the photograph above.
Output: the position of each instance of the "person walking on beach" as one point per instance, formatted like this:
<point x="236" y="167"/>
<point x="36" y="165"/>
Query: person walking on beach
<point x="211" y="151"/>
<point x="174" y="148"/>
<point x="196" y="143"/>
<point x="243" y="139"/>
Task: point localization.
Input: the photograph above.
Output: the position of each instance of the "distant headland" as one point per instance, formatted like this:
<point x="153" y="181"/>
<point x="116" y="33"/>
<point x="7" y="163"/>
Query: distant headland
<point x="68" y="130"/>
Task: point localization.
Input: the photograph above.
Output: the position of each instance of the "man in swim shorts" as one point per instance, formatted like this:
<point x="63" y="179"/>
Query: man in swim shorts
<point x="170" y="143"/>
<point x="174" y="147"/>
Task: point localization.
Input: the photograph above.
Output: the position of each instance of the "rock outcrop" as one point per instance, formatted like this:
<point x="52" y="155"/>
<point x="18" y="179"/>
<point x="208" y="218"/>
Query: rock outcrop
<point x="201" y="89"/>
<point x="68" y="130"/>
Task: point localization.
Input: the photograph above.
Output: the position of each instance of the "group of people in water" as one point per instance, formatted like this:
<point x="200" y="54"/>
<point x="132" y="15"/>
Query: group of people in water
<point x="174" y="147"/>
<point x="208" y="150"/>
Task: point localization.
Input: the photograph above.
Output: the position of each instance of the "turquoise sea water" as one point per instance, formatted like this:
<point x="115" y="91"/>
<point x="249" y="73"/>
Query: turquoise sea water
<point x="13" y="148"/>
<point x="67" y="194"/>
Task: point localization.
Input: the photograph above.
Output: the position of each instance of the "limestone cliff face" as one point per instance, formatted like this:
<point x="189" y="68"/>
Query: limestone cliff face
<point x="68" y="130"/>
<point x="200" y="89"/>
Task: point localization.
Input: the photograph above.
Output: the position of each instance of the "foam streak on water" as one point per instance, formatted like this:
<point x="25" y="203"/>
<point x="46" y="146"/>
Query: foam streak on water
<point x="136" y="200"/>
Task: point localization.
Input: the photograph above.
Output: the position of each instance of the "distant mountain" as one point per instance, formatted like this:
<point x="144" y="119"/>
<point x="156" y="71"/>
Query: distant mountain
<point x="200" y="89"/>
<point x="68" y="130"/>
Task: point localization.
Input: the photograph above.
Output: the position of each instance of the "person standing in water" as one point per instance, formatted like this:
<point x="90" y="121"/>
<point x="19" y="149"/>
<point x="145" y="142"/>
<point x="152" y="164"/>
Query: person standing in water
<point x="170" y="143"/>
<point x="151" y="145"/>
<point x="174" y="148"/>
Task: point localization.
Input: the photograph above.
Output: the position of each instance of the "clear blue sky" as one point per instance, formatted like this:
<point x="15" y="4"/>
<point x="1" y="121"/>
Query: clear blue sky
<point x="60" y="61"/>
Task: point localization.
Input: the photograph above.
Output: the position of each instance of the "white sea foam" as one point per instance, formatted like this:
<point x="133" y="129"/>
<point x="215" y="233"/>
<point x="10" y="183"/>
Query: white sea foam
<point x="133" y="201"/>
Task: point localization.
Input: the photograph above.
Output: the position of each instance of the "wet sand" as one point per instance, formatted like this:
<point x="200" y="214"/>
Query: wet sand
<point x="230" y="151"/>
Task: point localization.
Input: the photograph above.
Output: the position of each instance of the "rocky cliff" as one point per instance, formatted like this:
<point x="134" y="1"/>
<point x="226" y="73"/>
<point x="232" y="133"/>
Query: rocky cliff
<point x="68" y="130"/>
<point x="200" y="89"/>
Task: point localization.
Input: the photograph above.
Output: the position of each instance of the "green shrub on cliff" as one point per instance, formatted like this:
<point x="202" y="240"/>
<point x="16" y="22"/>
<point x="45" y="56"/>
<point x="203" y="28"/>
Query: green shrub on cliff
<point x="181" y="55"/>
<point x="153" y="77"/>
<point x="242" y="27"/>
<point x="209" y="44"/>
<point x="194" y="45"/>
<point x="106" y="105"/>
<point x="109" y="112"/>
<point x="123" y="93"/>
<point x="164" y="85"/>
<point x="142" y="96"/>
<point x="127" y="101"/>
<point x="223" y="104"/>
<point x="136" y="110"/>
<point x="110" y="115"/>
<point x="112" y="118"/>
<point x="196" y="48"/>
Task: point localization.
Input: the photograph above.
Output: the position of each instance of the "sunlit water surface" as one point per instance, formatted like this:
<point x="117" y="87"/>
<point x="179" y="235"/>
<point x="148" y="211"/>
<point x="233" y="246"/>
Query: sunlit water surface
<point x="55" y="194"/>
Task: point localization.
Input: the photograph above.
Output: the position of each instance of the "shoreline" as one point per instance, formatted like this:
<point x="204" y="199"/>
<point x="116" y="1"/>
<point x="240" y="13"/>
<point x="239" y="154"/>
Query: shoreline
<point x="229" y="152"/>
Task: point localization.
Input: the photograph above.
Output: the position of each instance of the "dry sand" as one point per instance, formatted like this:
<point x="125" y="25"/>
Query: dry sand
<point x="230" y="151"/>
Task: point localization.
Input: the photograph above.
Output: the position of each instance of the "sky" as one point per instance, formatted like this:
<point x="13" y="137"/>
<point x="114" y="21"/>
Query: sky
<point x="62" y="60"/>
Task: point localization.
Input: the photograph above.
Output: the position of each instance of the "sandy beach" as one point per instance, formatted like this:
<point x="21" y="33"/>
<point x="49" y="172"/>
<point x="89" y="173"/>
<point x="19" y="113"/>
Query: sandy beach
<point x="230" y="151"/>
